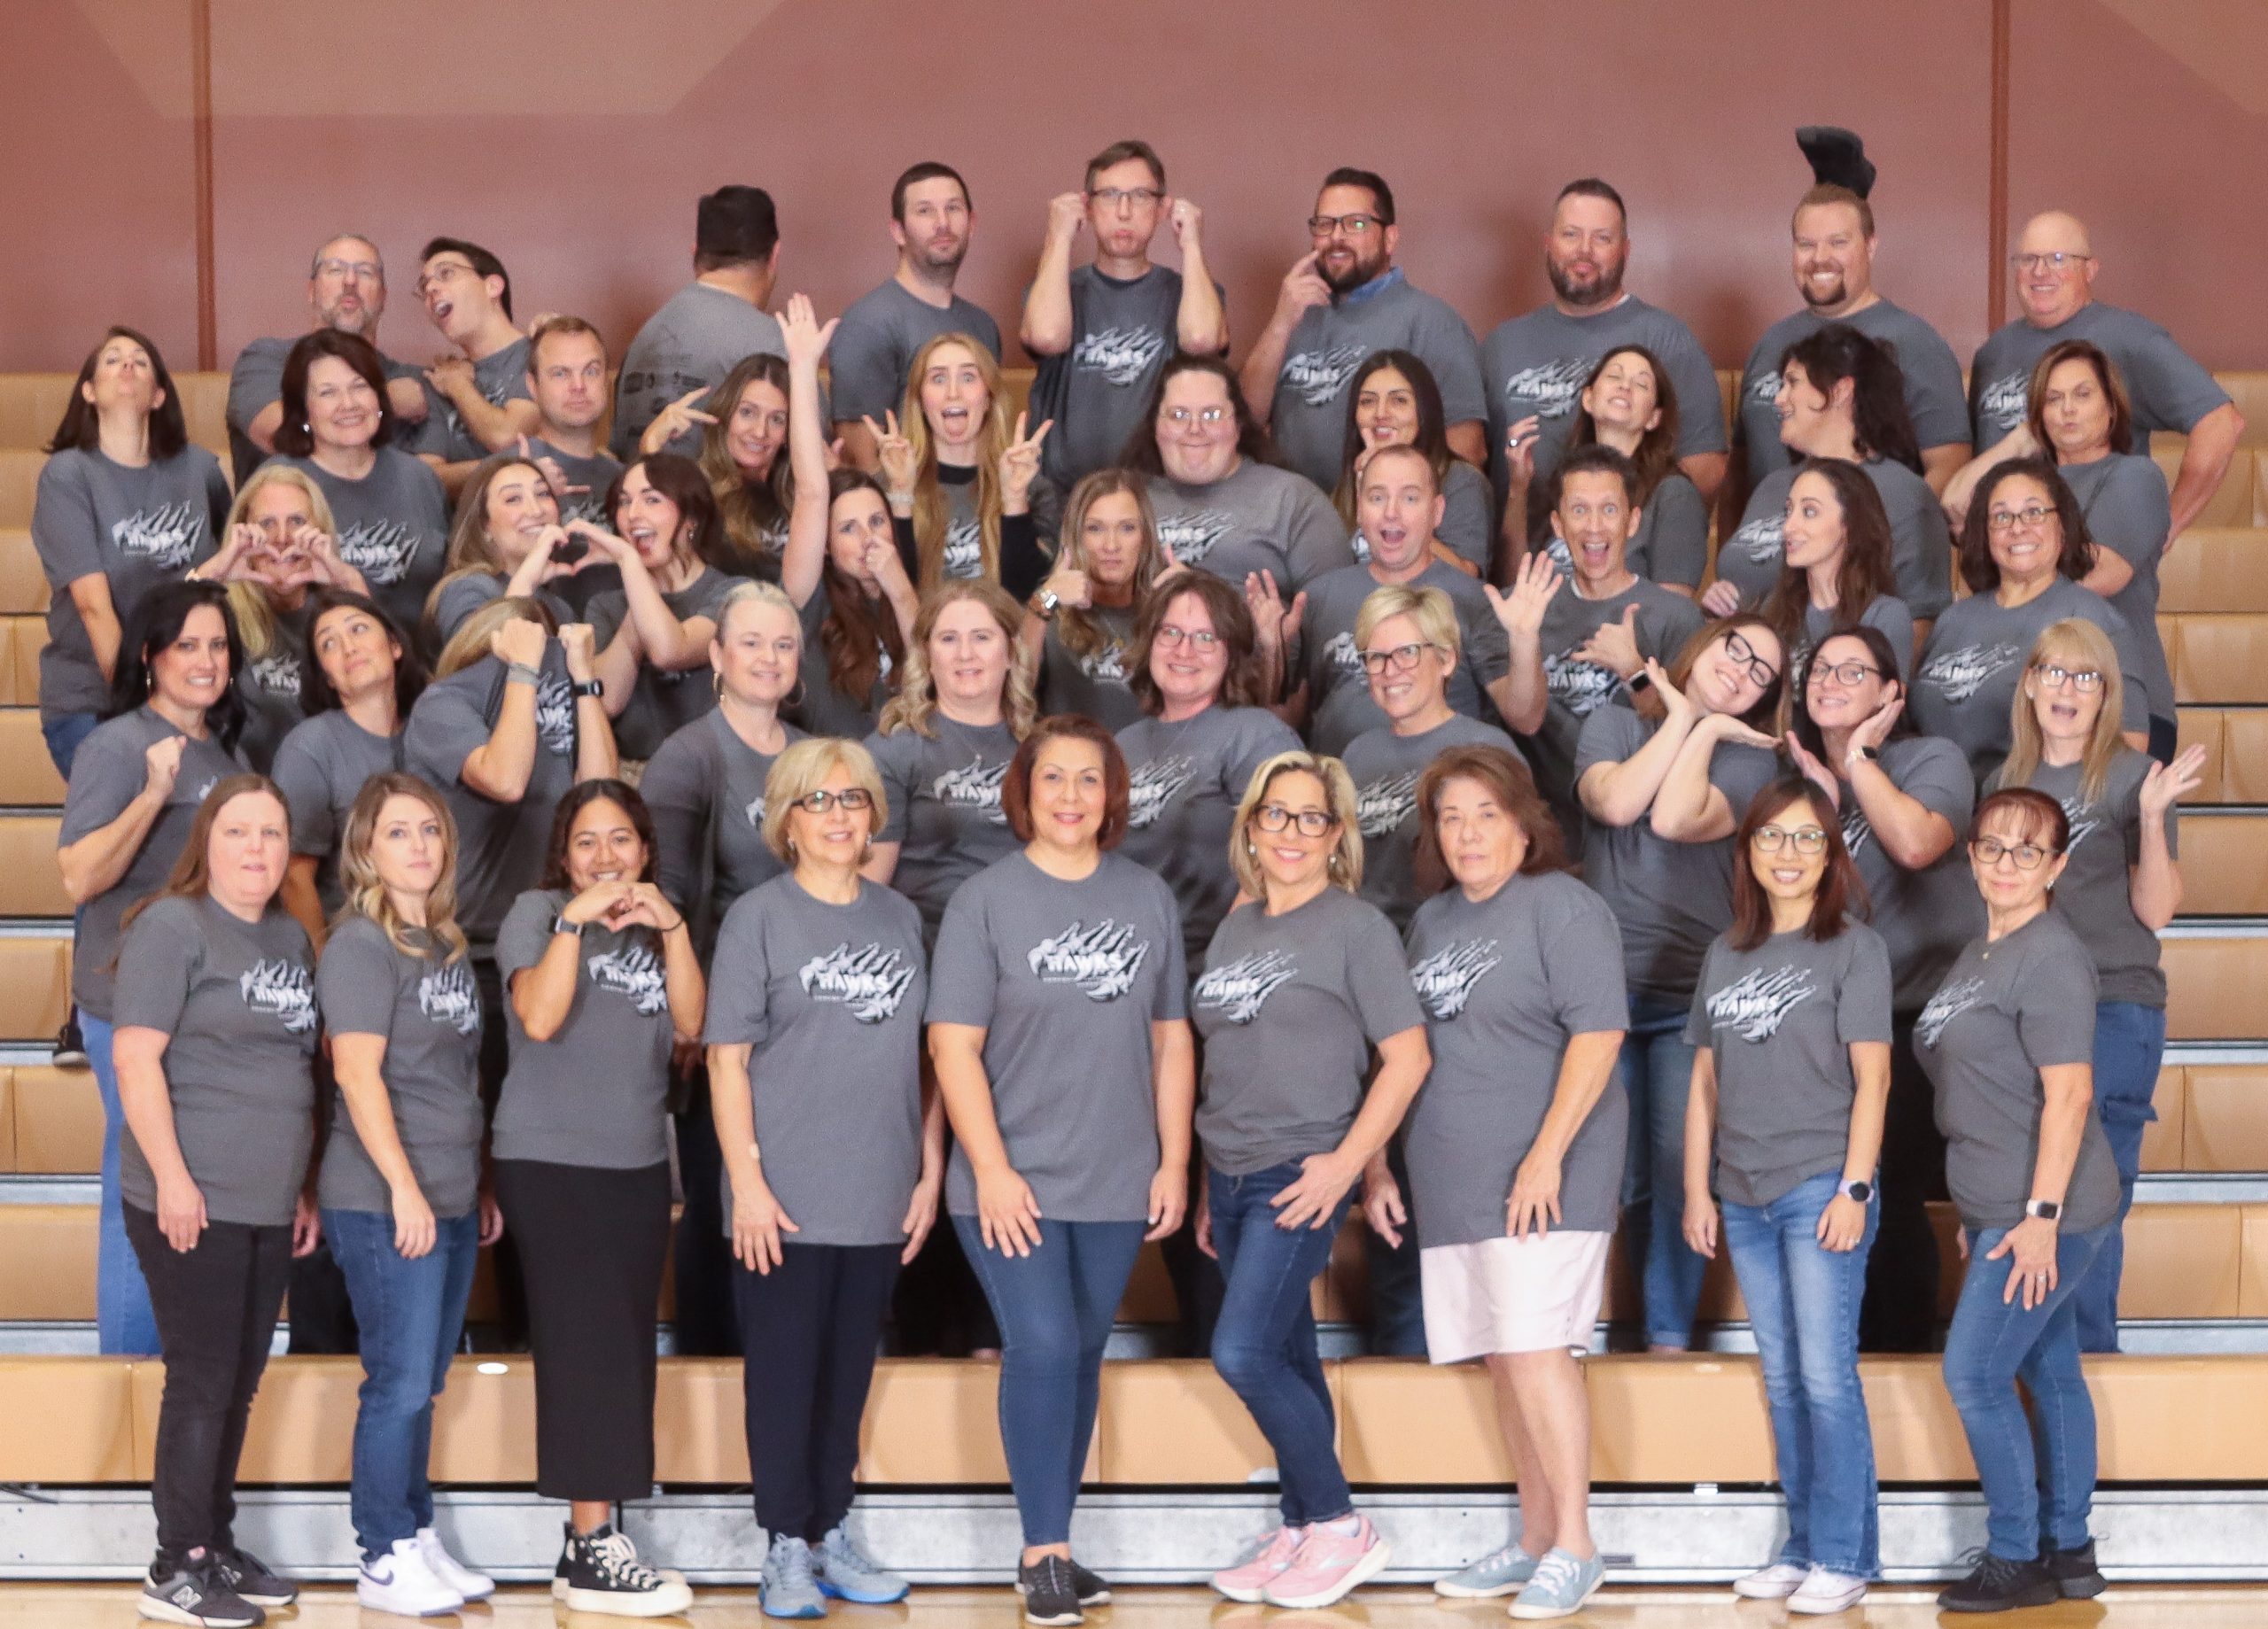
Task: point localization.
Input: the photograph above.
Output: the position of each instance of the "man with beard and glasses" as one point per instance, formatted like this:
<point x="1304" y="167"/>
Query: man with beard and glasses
<point x="1834" y="234"/>
<point x="1101" y="332"/>
<point x="346" y="290"/>
<point x="930" y="220"/>
<point x="1535" y="365"/>
<point x="482" y="401"/>
<point x="1342" y="300"/>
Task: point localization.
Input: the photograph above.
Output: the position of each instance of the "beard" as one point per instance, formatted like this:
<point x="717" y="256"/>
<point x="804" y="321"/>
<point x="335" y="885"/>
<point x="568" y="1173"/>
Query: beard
<point x="1597" y="292"/>
<point x="1836" y="295"/>
<point x="1359" y="271"/>
<point x="936" y="259"/>
<point x="358" y="321"/>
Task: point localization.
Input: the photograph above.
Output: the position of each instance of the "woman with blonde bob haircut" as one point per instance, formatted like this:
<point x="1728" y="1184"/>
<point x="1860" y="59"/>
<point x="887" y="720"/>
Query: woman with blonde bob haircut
<point x="400" y="1183"/>
<point x="1079" y="627"/>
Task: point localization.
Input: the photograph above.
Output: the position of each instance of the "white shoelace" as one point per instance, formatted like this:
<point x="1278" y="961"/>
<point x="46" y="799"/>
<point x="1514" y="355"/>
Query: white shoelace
<point x="1556" y="1571"/>
<point x="618" y="1558"/>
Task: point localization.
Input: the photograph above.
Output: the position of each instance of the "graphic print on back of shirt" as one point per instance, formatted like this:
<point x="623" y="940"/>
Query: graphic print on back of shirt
<point x="1444" y="979"/>
<point x="277" y="674"/>
<point x="1959" y="674"/>
<point x="1120" y="355"/>
<point x="381" y="550"/>
<point x="1765" y="391"/>
<point x="447" y="996"/>
<point x="1383" y="805"/>
<point x="2006" y="401"/>
<point x="1317" y="377"/>
<point x="1946" y="1005"/>
<point x="282" y="990"/>
<point x="1101" y="960"/>
<point x="1549" y="389"/>
<point x="1762" y="541"/>
<point x="1107" y="666"/>
<point x="1753" y="1005"/>
<point x="1240" y="988"/>
<point x="871" y="981"/>
<point x="1190" y="537"/>
<point x="975" y="786"/>
<point x="166" y="536"/>
<point x="555" y="714"/>
<point x="1154" y="785"/>
<point x="634" y="972"/>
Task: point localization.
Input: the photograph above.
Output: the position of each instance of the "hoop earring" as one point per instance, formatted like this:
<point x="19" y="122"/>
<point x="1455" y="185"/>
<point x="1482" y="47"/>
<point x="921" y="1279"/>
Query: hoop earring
<point x="795" y="697"/>
<point x="716" y="684"/>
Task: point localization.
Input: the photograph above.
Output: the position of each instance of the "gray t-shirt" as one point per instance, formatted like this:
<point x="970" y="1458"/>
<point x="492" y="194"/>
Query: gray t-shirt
<point x="874" y="347"/>
<point x="595" y="1094"/>
<point x="2128" y="512"/>
<point x="1886" y="614"/>
<point x="944" y="807"/>
<point x="690" y="343"/>
<point x="1670" y="545"/>
<point x="270" y="687"/>
<point x="322" y="766"/>
<point x="1924" y="916"/>
<point x="1290" y="1007"/>
<point x="1782" y="1019"/>
<point x="427" y="1010"/>
<point x="1535" y="365"/>
<point x="1385" y="768"/>
<point x="828" y="1000"/>
<point x="238" y="1000"/>
<point x="1065" y="979"/>
<point x="1255" y="518"/>
<point x="1185" y="783"/>
<point x="662" y="700"/>
<point x="963" y="553"/>
<point x="1339" y="707"/>
<point x="1672" y="898"/>
<point x="1934" y="398"/>
<point x="257" y="381"/>
<point x="108" y="774"/>
<point x="2093" y="895"/>
<point x="1921" y="548"/>
<point x="2009" y="1008"/>
<point x="1504" y="982"/>
<point x="460" y="596"/>
<point x="2169" y="390"/>
<point x="1122" y="332"/>
<point x="393" y="528"/>
<point x="501" y="376"/>
<point x="593" y="475"/>
<point x="1095" y="683"/>
<point x="1974" y="661"/>
<point x="134" y="528"/>
<point x="705" y="788"/>
<point x="1308" y="418"/>
<point x="1577" y="690"/>
<point x="824" y="711"/>
<point x="499" y="846"/>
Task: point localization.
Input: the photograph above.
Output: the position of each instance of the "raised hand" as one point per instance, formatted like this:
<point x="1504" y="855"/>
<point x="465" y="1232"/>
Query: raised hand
<point x="805" y="336"/>
<point x="1303" y="287"/>
<point x="1187" y="220"/>
<point x="1168" y="566"/>
<point x="1019" y="463"/>
<point x="1072" y="587"/>
<point x="1067" y="212"/>
<point x="1675" y="702"/>
<point x="895" y="454"/>
<point x="1612" y="645"/>
<point x="326" y="565"/>
<point x="1266" y="605"/>
<point x="2167" y="784"/>
<point x="1810" y="768"/>
<point x="519" y="642"/>
<point x="1520" y="612"/>
<point x="618" y="549"/>
<point x="680" y="418"/>
<point x="161" y="765"/>
<point x="240" y="557"/>
<point x="1875" y="728"/>
<point x="452" y="376"/>
<point x="553" y="476"/>
<point x="1520" y="449"/>
<point x="579" y="643"/>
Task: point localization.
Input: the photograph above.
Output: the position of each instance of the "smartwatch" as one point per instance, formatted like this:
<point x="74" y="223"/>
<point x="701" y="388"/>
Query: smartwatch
<point x="561" y="924"/>
<point x="588" y="686"/>
<point x="1869" y="754"/>
<point x="1637" y="681"/>
<point x="1046" y="603"/>
<point x="1859" y="1191"/>
<point x="2046" y="1210"/>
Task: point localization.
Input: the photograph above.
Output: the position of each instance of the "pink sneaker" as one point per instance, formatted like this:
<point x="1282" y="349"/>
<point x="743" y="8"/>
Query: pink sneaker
<point x="1248" y="1579"/>
<point x="1329" y="1565"/>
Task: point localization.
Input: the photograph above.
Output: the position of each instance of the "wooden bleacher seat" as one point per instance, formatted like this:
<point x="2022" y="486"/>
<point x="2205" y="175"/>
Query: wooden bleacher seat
<point x="2235" y="502"/>
<point x="7" y="1120"/>
<point x="2224" y="865"/>
<point x="37" y="973"/>
<point x="2218" y="656"/>
<point x="19" y="485"/>
<point x="31" y="405"/>
<point x="27" y="637"/>
<point x="2216" y="569"/>
<point x="2213" y="988"/>
<point x="68" y="1420"/>
<point x="23" y="586"/>
<point x="2244" y="755"/>
<point x="47" y="1262"/>
<point x="2206" y="727"/>
<point x="2225" y="1118"/>
<point x="2250" y="391"/>
<point x="55" y="1121"/>
<point x="27" y="776"/>
<point x="2161" y="1139"/>
<point x="30" y="883"/>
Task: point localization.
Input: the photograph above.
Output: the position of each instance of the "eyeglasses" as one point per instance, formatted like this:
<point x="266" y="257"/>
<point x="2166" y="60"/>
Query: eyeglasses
<point x="1111" y="197"/>
<point x="1349" y="226"/>
<point x="1845" y="674"/>
<point x="2031" y="518"/>
<point x="1990" y="850"/>
<point x="1204" y="642"/>
<point x="1740" y="651"/>
<point x="2086" y="680"/>
<point x="852" y="798"/>
<point x="1808" y="839"/>
<point x="1180" y="417"/>
<point x="441" y="272"/>
<point x="1275" y="818"/>
<point x="1402" y="658"/>
<point x="365" y="271"/>
<point x="2056" y="260"/>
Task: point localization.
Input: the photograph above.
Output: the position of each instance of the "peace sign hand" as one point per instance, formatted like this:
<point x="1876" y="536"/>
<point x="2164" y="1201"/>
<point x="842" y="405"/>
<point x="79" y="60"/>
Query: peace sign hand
<point x="680" y="418"/>
<point x="895" y="454"/>
<point x="1020" y="465"/>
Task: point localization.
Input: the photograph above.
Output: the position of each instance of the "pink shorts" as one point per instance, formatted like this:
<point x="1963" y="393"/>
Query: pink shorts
<point x="1528" y="1294"/>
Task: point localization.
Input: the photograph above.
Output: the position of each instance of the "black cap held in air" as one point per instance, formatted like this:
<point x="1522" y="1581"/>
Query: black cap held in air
<point x="1838" y="157"/>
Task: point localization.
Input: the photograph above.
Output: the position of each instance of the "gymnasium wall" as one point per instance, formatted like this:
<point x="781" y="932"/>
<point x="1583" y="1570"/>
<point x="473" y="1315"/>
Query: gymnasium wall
<point x="171" y="163"/>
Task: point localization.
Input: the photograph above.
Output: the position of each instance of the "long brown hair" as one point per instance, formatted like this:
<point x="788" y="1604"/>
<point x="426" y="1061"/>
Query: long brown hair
<point x="1657" y="453"/>
<point x="752" y="512"/>
<point x="1432" y="439"/>
<point x="929" y="495"/>
<point x="1864" y="574"/>
<point x="472" y="547"/>
<point x="358" y="873"/>
<point x="1078" y="630"/>
<point x="80" y="426"/>
<point x="857" y="630"/>
<point x="1842" y="893"/>
<point x="1505" y="779"/>
<point x="192" y="873"/>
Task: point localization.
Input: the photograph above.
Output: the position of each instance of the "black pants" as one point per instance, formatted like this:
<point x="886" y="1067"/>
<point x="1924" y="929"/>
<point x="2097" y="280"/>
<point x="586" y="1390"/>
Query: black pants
<point x="322" y="1316"/>
<point x="703" y="1257"/>
<point x="495" y="1060"/>
<point x="592" y="1242"/>
<point x="812" y="1326"/>
<point x="215" y="1305"/>
<point x="1899" y="1311"/>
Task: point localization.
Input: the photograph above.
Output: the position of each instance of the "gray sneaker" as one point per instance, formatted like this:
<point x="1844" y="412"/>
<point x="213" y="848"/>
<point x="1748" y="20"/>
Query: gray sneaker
<point x="849" y="1573"/>
<point x="1499" y="1573"/>
<point x="1561" y="1585"/>
<point x="790" y="1589"/>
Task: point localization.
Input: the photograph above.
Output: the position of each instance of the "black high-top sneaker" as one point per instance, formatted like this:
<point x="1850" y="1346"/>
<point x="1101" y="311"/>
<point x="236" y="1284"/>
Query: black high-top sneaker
<point x="605" y="1575"/>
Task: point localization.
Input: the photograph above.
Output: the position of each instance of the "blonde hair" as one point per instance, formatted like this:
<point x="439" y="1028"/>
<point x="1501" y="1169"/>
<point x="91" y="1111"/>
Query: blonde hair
<point x="929" y="496"/>
<point x="469" y="643"/>
<point x="2073" y="640"/>
<point x="1078" y="630"/>
<point x="800" y="770"/>
<point x="743" y="593"/>
<point x="1345" y="867"/>
<point x="252" y="604"/>
<point x="358" y="873"/>
<point x="1433" y="611"/>
<point x="914" y="707"/>
<point x="472" y="549"/>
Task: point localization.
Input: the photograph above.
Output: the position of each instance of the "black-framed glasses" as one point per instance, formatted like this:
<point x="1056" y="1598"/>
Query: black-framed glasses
<point x="1809" y="840"/>
<point x="1111" y="197"/>
<point x="1204" y="642"/>
<point x="1990" y="850"/>
<point x="1350" y="225"/>
<point x="852" y="798"/>
<point x="2031" y="518"/>
<point x="1740" y="651"/>
<point x="2086" y="680"/>
<point x="1275" y="818"/>
<point x="1402" y="658"/>
<point x="1846" y="673"/>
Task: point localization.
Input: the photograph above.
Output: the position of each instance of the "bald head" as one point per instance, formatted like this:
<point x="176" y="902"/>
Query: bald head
<point x="2055" y="267"/>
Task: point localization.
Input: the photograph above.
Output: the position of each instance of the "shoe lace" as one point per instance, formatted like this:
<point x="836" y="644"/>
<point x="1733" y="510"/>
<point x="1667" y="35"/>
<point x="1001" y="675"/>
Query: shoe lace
<point x="840" y="1550"/>
<point x="1053" y="1576"/>
<point x="789" y="1565"/>
<point x="1502" y="1555"/>
<point x="617" y="1558"/>
<point x="1555" y="1572"/>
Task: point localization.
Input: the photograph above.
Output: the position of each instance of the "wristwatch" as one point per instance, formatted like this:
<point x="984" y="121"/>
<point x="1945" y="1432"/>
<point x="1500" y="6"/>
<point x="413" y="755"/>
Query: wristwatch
<point x="1859" y="1191"/>
<point x="1637" y="681"/>
<point x="2046" y="1210"/>
<point x="1045" y="603"/>
<point x="1869" y="754"/>
<point x="588" y="686"/>
<point x="561" y="924"/>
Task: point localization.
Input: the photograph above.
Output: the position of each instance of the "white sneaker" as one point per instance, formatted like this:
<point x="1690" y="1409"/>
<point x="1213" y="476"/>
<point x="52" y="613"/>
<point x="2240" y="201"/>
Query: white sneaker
<point x="472" y="1585"/>
<point x="1827" y="1592"/>
<point x="1776" y="1582"/>
<point x="402" y="1582"/>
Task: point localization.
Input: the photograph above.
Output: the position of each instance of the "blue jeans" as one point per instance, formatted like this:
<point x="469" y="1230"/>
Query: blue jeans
<point x="2129" y="1045"/>
<point x="1264" y="1344"/>
<point x="1803" y="1305"/>
<point x="1054" y="1307"/>
<point x="1657" y="1069"/>
<point x="410" y="1313"/>
<point x="64" y="733"/>
<point x="2037" y="1475"/>
<point x="124" y="1324"/>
